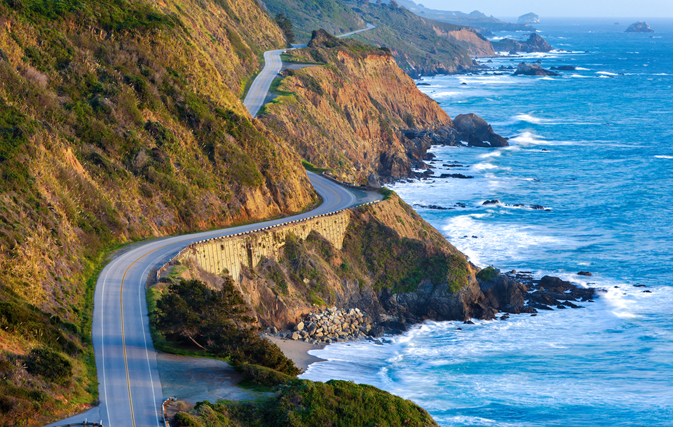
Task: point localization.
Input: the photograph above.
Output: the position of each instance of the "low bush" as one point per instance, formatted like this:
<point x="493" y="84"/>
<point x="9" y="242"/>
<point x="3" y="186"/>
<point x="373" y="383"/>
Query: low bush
<point x="49" y="364"/>
<point x="260" y="375"/>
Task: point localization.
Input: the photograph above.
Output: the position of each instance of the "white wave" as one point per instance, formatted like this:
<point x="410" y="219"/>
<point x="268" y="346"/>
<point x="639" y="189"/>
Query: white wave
<point x="445" y="94"/>
<point x="484" y="166"/>
<point x="582" y="69"/>
<point x="664" y="157"/>
<point x="606" y="73"/>
<point x="579" y="76"/>
<point x="661" y="74"/>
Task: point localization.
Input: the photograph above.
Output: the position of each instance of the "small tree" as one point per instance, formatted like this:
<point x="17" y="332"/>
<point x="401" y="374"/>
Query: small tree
<point x="393" y="4"/>
<point x="286" y="25"/>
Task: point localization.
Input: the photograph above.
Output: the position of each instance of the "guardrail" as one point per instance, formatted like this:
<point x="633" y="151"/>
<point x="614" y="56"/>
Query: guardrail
<point x="191" y="245"/>
<point x="85" y="423"/>
<point x="164" y="413"/>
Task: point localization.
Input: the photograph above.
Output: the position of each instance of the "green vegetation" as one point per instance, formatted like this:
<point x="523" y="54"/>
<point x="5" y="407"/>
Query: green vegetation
<point x="286" y="25"/>
<point x="118" y="120"/>
<point x="417" y="45"/>
<point x="386" y="192"/>
<point x="399" y="263"/>
<point x="488" y="274"/>
<point x="311" y="168"/>
<point x="303" y="403"/>
<point x="262" y="376"/>
<point x="332" y="15"/>
<point x="215" y="322"/>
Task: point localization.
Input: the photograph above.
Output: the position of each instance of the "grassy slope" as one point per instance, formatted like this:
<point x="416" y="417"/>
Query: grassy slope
<point x="332" y="15"/>
<point x="118" y="121"/>
<point x="417" y="48"/>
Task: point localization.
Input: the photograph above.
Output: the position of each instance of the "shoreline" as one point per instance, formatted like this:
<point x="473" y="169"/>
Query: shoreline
<point x="298" y="351"/>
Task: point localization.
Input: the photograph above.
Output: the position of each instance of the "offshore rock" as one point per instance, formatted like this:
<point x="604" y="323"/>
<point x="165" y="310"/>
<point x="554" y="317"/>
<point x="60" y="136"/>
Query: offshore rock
<point x="532" y="70"/>
<point x="478" y="131"/>
<point x="639" y="27"/>
<point x="535" y="43"/>
<point x="529" y="18"/>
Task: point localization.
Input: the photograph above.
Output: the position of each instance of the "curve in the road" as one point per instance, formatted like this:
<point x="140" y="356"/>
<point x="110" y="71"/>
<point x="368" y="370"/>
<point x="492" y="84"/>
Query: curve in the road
<point x="130" y="389"/>
<point x="259" y="89"/>
<point x="129" y="385"/>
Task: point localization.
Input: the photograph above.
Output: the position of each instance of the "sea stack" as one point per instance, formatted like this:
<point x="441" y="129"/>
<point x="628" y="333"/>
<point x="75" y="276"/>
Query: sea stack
<point x="639" y="27"/>
<point x="529" y="18"/>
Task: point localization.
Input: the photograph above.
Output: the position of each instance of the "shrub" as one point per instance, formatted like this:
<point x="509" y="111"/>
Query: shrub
<point x="49" y="364"/>
<point x="263" y="376"/>
<point x="488" y="274"/>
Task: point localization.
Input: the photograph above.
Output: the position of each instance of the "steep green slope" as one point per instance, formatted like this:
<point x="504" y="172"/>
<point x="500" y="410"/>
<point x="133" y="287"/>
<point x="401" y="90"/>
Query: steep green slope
<point x="335" y="16"/>
<point x="119" y="120"/>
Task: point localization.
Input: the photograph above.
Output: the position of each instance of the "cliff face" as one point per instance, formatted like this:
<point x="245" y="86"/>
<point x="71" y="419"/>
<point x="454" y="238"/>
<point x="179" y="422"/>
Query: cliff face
<point x="119" y="121"/>
<point x="346" y="116"/>
<point x="392" y="265"/>
<point x="469" y="40"/>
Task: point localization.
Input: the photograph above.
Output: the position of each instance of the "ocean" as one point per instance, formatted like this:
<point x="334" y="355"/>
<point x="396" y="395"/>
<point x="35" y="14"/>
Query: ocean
<point x="595" y="148"/>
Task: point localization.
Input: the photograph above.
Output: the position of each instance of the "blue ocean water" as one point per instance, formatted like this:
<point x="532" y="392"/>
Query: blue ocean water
<point x="595" y="147"/>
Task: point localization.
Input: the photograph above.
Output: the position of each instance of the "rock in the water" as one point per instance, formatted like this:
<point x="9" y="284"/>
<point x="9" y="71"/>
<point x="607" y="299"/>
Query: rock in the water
<point x="584" y="273"/>
<point x="535" y="43"/>
<point x="529" y="18"/>
<point x="479" y="132"/>
<point x="532" y="70"/>
<point x="639" y="27"/>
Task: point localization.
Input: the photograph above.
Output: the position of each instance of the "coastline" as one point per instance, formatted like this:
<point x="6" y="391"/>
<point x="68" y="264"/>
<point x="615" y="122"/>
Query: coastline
<point x="297" y="351"/>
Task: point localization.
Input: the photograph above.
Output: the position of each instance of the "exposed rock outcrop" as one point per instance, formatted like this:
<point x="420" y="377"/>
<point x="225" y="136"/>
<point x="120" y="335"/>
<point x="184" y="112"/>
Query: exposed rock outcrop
<point x="529" y="18"/>
<point x="535" y="43"/>
<point x="639" y="27"/>
<point x="479" y="133"/>
<point x="361" y="116"/>
<point x="394" y="271"/>
<point x="532" y="70"/>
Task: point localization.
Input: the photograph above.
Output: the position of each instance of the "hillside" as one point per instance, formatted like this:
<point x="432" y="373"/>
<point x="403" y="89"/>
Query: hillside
<point x="420" y="46"/>
<point x="478" y="20"/>
<point x="334" y="16"/>
<point x="120" y="121"/>
<point x="347" y="115"/>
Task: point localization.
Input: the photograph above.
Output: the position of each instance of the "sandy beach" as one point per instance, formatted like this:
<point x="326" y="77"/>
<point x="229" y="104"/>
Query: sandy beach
<point x="297" y="351"/>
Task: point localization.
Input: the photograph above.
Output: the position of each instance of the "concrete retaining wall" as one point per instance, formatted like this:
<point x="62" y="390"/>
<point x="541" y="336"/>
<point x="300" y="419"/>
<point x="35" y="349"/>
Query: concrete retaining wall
<point x="228" y="254"/>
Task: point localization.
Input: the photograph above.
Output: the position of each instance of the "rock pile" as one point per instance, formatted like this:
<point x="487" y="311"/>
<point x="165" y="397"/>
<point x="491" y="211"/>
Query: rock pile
<point x="330" y="326"/>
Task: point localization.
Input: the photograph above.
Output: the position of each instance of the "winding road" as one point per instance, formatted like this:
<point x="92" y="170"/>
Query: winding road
<point x="129" y="388"/>
<point x="256" y="96"/>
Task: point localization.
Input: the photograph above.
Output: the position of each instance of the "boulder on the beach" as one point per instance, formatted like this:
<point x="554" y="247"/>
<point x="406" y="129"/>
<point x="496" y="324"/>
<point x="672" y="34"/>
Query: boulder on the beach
<point x="479" y="132"/>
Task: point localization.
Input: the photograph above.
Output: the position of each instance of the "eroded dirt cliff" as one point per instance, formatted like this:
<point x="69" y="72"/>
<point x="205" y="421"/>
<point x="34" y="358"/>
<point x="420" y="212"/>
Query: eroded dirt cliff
<point x="347" y="115"/>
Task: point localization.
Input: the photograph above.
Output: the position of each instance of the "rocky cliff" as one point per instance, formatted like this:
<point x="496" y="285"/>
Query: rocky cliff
<point x="359" y="115"/>
<point x="392" y="265"/>
<point x="392" y="270"/>
<point x="345" y="116"/>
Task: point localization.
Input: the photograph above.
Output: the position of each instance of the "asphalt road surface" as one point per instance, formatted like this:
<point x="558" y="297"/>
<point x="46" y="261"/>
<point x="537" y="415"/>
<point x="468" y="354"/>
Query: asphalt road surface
<point x="256" y="96"/>
<point x="129" y="386"/>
